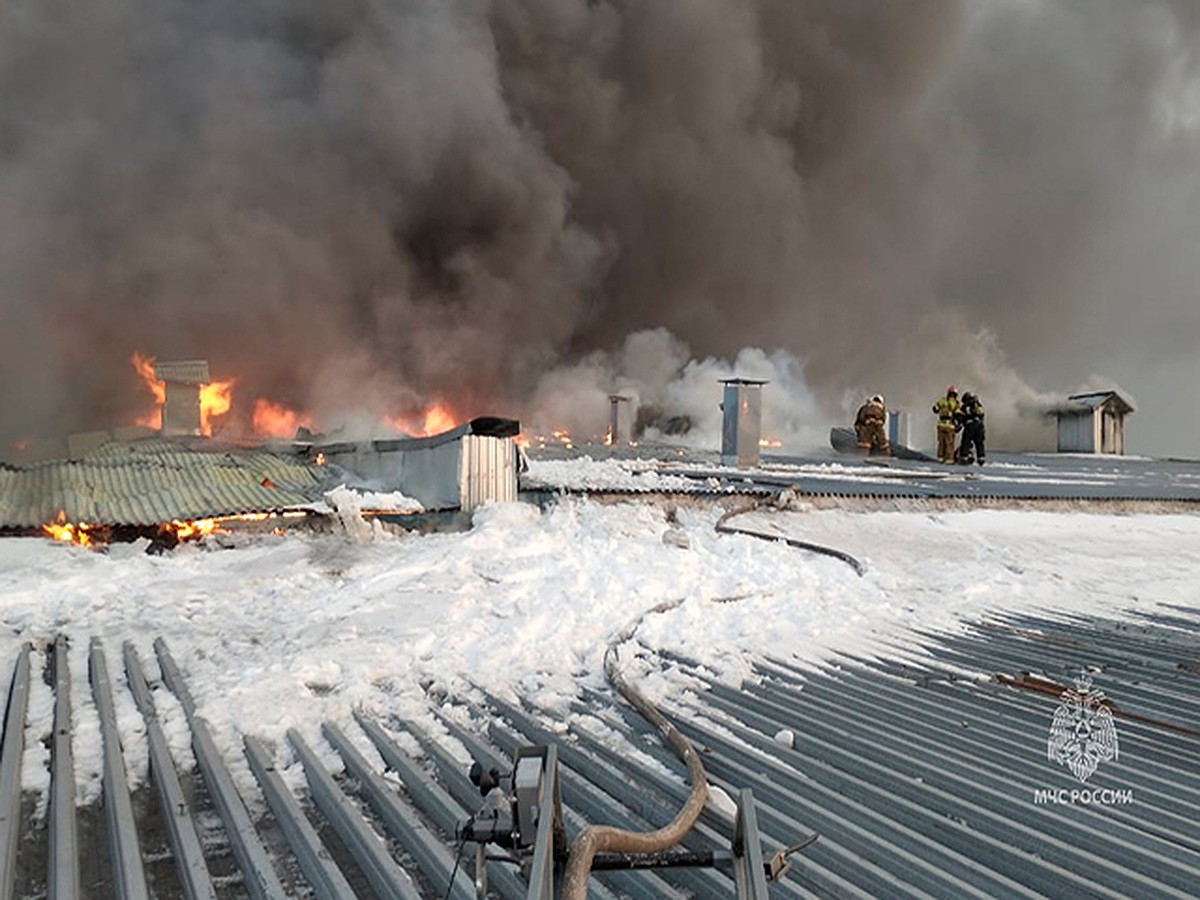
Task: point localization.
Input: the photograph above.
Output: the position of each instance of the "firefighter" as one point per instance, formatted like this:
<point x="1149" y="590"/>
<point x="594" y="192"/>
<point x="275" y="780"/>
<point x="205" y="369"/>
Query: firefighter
<point x="946" y="409"/>
<point x="869" y="426"/>
<point x="970" y="416"/>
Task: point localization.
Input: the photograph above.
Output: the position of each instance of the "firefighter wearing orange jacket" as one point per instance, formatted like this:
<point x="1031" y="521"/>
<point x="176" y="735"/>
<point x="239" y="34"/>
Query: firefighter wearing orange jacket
<point x="946" y="409"/>
<point x="869" y="426"/>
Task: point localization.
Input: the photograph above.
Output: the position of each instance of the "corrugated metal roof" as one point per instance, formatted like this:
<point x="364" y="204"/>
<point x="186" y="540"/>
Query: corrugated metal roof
<point x="1006" y="477"/>
<point x="920" y="779"/>
<point x="150" y="481"/>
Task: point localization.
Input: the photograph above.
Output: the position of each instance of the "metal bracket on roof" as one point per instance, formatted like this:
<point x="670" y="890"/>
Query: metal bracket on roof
<point x="514" y="816"/>
<point x="777" y="866"/>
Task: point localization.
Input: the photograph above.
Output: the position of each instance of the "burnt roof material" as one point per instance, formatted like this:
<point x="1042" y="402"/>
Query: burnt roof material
<point x="189" y="371"/>
<point x="146" y="482"/>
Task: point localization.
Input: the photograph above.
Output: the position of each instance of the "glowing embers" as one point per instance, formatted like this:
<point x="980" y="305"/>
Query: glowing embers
<point x="165" y="535"/>
<point x="559" y="437"/>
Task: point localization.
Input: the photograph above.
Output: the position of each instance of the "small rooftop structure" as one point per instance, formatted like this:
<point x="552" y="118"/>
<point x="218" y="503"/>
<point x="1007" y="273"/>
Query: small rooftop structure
<point x="618" y="426"/>
<point x="1093" y="423"/>
<point x="741" y="427"/>
<point x="181" y="406"/>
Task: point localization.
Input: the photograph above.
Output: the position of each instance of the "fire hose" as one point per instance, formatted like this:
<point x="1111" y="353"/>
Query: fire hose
<point x="596" y="839"/>
<point x="605" y="838"/>
<point x="833" y="552"/>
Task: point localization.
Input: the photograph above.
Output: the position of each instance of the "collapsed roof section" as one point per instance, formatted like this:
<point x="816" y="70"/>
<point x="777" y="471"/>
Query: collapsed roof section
<point x="146" y="482"/>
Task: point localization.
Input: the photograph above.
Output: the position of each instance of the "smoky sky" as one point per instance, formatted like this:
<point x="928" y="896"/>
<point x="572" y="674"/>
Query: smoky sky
<point x="373" y="204"/>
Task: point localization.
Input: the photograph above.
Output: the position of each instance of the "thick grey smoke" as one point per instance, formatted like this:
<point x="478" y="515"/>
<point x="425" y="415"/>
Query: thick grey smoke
<point x="372" y="204"/>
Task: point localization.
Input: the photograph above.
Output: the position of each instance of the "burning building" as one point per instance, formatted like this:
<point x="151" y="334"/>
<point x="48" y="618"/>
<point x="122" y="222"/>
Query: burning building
<point x="158" y="478"/>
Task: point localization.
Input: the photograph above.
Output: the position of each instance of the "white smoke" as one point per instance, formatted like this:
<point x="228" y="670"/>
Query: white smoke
<point x="674" y="397"/>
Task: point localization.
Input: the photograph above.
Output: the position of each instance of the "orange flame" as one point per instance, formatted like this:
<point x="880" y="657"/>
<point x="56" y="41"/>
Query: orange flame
<point x="438" y="418"/>
<point x="434" y="420"/>
<point x="144" y="366"/>
<point x="215" y="400"/>
<point x="557" y="436"/>
<point x="197" y="528"/>
<point x="69" y="532"/>
<point x="276" y="420"/>
<point x="770" y="442"/>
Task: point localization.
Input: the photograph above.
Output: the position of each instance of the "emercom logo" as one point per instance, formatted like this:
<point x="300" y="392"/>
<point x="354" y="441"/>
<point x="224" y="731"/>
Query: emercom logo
<point x="1083" y="733"/>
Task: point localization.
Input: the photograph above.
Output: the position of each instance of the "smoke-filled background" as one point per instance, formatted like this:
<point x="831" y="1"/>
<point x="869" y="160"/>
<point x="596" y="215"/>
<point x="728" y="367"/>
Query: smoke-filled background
<point x="372" y="204"/>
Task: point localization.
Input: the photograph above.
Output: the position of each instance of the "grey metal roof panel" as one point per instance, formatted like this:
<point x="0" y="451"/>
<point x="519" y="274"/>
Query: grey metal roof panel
<point x="967" y="755"/>
<point x="919" y="778"/>
<point x="1006" y="477"/>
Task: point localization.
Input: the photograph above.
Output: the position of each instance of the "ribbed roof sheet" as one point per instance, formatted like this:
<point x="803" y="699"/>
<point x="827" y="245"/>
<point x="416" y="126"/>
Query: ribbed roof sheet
<point x="151" y="481"/>
<point x="919" y="780"/>
<point x="924" y="780"/>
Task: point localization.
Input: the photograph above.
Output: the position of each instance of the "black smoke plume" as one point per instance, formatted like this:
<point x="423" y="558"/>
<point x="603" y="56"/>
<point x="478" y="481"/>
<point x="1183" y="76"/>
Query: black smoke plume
<point x="371" y="204"/>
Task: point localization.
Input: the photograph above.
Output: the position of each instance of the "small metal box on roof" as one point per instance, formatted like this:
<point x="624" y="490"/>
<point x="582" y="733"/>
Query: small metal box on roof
<point x="741" y="426"/>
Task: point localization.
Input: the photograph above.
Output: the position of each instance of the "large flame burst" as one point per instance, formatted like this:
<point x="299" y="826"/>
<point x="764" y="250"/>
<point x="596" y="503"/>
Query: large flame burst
<point x="438" y="417"/>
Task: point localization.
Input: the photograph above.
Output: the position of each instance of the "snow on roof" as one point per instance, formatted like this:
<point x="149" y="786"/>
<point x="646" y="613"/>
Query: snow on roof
<point x="891" y="674"/>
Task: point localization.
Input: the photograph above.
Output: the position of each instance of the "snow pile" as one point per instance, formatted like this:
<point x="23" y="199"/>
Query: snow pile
<point x="586" y="474"/>
<point x="297" y="629"/>
<point x="347" y="507"/>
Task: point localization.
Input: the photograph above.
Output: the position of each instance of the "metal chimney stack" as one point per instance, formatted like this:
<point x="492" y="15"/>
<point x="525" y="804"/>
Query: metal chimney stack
<point x="181" y="408"/>
<point x="616" y="433"/>
<point x="741" y="428"/>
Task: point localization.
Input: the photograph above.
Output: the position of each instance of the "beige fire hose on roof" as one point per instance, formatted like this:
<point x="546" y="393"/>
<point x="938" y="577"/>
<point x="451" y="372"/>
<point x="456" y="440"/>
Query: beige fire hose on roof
<point x="605" y="838"/>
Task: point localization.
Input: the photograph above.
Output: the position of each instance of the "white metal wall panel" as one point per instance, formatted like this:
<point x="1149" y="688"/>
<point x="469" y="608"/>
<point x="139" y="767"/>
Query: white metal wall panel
<point x="489" y="471"/>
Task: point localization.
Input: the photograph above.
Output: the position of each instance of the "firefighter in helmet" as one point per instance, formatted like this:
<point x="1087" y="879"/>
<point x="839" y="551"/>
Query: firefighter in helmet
<point x="869" y="426"/>
<point x="946" y="410"/>
<point x="970" y="416"/>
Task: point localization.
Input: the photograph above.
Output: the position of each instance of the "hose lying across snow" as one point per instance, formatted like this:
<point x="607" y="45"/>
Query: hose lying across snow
<point x="605" y="838"/>
<point x="845" y="557"/>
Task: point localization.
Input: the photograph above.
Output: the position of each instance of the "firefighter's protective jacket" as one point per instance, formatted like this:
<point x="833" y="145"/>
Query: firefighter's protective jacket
<point x="970" y="414"/>
<point x="947" y="413"/>
<point x="870" y="413"/>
